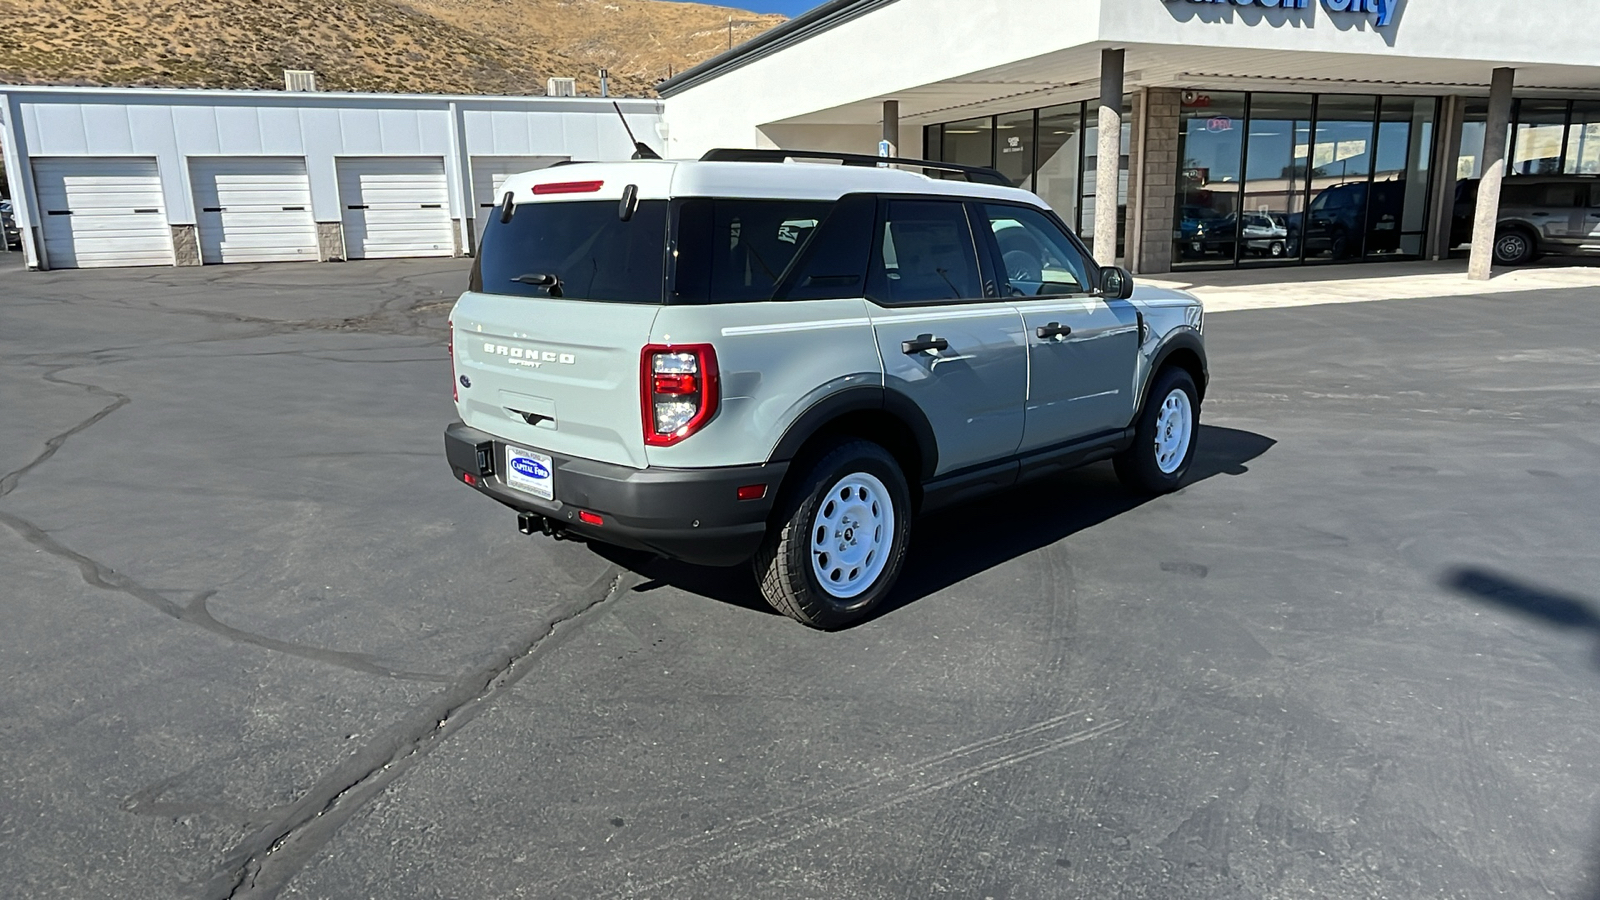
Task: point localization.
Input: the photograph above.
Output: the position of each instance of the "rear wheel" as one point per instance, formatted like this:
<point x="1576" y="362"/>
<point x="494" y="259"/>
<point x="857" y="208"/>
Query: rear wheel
<point x="1513" y="247"/>
<point x="1164" y="435"/>
<point x="839" y="547"/>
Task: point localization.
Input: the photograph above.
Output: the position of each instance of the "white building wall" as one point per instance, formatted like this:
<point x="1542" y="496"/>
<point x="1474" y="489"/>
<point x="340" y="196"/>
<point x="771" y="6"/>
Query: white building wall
<point x="944" y="55"/>
<point x="175" y="126"/>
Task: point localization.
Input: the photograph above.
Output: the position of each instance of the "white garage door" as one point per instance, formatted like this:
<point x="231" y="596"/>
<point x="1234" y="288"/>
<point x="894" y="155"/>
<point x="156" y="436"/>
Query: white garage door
<point x="395" y="207"/>
<point x="489" y="173"/>
<point x="253" y="209"/>
<point x="102" y="212"/>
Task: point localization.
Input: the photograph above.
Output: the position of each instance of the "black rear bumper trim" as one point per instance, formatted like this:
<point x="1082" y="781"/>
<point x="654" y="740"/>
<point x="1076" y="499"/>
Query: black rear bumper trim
<point x="693" y="515"/>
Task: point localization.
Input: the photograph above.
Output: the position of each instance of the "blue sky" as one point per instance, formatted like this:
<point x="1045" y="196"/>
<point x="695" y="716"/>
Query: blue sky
<point x="787" y="7"/>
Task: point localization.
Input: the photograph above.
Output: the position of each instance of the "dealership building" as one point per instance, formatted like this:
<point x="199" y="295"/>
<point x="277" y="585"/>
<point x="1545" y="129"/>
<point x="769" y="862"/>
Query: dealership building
<point x="1188" y="133"/>
<point x="120" y="177"/>
<point x="1237" y="132"/>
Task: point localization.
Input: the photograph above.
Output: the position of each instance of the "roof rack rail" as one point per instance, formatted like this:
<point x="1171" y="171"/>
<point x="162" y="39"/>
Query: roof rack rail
<point x="974" y="174"/>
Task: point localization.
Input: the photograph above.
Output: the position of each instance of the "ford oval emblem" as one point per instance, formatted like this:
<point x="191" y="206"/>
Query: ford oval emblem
<point x="530" y="468"/>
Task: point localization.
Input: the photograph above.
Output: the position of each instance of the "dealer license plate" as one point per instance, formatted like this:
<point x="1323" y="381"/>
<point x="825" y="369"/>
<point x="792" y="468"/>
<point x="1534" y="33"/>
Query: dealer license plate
<point x="531" y="472"/>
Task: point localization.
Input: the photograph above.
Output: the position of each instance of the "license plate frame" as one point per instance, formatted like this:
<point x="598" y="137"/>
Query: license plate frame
<point x="537" y="475"/>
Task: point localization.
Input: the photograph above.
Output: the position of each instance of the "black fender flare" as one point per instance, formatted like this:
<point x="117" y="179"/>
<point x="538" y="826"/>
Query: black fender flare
<point x="1182" y="338"/>
<point x="862" y="398"/>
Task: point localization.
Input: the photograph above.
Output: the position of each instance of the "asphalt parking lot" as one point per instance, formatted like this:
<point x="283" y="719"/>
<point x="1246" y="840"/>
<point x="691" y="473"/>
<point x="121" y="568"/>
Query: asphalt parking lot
<point x="258" y="643"/>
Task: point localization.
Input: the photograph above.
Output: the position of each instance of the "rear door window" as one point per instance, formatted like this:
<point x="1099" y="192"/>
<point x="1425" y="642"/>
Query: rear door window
<point x="925" y="254"/>
<point x="1562" y="196"/>
<point x="592" y="253"/>
<point x="737" y="251"/>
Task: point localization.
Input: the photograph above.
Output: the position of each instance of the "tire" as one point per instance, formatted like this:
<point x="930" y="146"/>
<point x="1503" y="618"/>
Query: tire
<point x="1514" y="247"/>
<point x="854" y="484"/>
<point x="1165" y="435"/>
<point x="1276" y="250"/>
<point x="1339" y="247"/>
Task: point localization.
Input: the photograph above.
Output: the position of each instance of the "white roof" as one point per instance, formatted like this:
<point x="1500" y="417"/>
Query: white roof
<point x="666" y="179"/>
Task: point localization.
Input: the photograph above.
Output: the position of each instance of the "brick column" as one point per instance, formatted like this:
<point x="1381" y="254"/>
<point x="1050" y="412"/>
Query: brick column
<point x="1158" y="179"/>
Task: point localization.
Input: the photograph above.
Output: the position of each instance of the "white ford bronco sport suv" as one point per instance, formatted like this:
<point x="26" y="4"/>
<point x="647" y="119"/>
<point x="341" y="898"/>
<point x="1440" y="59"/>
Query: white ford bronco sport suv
<point x="750" y="357"/>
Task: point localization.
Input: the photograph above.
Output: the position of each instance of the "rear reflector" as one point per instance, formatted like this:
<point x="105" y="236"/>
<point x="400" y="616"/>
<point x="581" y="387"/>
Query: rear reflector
<point x="469" y="478"/>
<point x="752" y="492"/>
<point x="568" y="187"/>
<point x="589" y="518"/>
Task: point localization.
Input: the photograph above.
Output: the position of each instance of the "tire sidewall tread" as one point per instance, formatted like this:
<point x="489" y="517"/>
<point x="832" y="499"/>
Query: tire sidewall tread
<point x="1136" y="467"/>
<point x="783" y="564"/>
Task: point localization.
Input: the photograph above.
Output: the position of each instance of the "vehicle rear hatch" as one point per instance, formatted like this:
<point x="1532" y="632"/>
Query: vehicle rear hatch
<point x="554" y="366"/>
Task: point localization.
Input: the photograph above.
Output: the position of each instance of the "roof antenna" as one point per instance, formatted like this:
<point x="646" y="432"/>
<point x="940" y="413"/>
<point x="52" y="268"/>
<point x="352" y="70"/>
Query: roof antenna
<point x="641" y="150"/>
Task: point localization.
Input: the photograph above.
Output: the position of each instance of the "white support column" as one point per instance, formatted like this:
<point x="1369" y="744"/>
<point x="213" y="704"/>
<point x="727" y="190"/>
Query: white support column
<point x="1108" y="157"/>
<point x="1494" y="169"/>
<point x="459" y="165"/>
<point x="19" y="173"/>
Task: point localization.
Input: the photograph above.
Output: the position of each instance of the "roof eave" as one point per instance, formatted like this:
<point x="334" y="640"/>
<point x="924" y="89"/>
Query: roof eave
<point x="801" y="28"/>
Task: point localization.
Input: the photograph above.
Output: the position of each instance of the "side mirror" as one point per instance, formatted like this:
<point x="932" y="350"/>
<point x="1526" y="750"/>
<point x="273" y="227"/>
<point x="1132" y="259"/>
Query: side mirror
<point x="1116" y="283"/>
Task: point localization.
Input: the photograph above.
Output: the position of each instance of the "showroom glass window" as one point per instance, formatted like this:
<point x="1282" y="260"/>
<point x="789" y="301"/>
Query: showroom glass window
<point x="1397" y="205"/>
<point x="1583" y="139"/>
<point x="1051" y="151"/>
<point x="1341" y="160"/>
<point x="1014" y="148"/>
<point x="969" y="143"/>
<point x="1277" y="144"/>
<point x="1060" y="154"/>
<point x="1211" y="129"/>
<point x="1541" y="129"/>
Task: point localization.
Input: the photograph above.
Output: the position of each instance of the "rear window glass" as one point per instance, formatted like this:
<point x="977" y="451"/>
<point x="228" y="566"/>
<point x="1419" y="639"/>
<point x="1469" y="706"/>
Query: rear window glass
<point x="736" y="251"/>
<point x="585" y="245"/>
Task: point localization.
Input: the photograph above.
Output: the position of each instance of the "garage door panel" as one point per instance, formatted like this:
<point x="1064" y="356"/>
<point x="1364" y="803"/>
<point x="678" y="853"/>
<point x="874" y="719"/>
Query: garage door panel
<point x="254" y="209"/>
<point x="395" y="207"/>
<point x="489" y="174"/>
<point x="102" y="212"/>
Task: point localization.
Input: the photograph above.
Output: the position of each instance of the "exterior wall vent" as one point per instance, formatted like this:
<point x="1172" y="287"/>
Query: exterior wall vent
<point x="299" y="80"/>
<point x="561" y="87"/>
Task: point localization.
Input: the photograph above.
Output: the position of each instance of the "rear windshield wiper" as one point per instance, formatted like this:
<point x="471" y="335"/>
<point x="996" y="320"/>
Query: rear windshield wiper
<point x="540" y="280"/>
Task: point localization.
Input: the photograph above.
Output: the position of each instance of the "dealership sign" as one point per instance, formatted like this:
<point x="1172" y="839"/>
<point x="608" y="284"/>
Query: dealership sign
<point x="1383" y="9"/>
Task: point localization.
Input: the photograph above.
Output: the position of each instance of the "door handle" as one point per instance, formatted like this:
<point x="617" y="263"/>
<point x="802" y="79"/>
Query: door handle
<point x="924" y="342"/>
<point x="1055" y="330"/>
<point x="1539" y="215"/>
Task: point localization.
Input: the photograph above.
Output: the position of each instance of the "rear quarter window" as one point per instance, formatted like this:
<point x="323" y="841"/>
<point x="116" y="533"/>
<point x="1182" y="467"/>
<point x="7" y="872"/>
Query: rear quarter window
<point x="738" y="251"/>
<point x="585" y="244"/>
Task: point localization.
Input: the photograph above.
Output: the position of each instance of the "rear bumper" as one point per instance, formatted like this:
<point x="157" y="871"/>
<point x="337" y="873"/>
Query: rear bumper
<point x="692" y="515"/>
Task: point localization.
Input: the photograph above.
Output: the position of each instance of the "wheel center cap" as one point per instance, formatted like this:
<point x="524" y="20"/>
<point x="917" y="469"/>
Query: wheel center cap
<point x="849" y="534"/>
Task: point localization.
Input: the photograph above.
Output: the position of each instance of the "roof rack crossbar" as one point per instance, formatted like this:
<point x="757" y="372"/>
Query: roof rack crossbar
<point x="974" y="174"/>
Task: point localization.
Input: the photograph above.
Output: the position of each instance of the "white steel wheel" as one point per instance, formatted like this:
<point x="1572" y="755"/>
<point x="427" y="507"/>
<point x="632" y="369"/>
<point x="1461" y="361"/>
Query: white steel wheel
<point x="1174" y="430"/>
<point x="851" y="535"/>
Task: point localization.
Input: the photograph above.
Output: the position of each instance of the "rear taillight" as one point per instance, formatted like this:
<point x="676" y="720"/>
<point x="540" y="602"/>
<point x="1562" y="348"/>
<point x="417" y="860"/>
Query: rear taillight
<point x="450" y="348"/>
<point x="679" y="388"/>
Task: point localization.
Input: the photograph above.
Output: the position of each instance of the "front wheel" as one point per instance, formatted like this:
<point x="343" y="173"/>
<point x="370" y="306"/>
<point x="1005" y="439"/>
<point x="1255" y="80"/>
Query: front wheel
<point x="1164" y="436"/>
<point x="839" y="547"/>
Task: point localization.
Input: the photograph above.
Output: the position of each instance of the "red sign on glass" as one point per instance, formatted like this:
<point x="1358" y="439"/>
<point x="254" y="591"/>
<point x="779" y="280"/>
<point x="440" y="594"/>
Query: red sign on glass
<point x="1219" y="124"/>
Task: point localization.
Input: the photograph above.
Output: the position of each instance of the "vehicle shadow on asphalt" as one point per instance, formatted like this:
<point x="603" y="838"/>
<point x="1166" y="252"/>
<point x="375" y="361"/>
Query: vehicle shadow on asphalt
<point x="947" y="548"/>
<point x="1553" y="608"/>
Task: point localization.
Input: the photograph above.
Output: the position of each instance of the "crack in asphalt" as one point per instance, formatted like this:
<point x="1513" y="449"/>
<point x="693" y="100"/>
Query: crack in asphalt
<point x="264" y="863"/>
<point x="196" y="611"/>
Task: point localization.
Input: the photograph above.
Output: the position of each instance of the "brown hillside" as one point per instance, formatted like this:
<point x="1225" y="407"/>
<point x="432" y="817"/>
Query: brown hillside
<point x="423" y="46"/>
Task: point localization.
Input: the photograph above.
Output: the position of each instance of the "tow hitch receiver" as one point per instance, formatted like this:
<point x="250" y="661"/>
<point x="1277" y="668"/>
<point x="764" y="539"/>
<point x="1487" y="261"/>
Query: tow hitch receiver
<point x="532" y="523"/>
